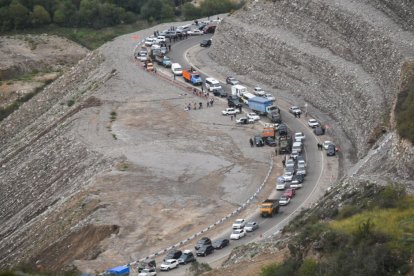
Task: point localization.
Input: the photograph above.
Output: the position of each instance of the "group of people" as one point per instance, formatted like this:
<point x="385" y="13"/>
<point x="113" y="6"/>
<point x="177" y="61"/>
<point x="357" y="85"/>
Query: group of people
<point x="196" y="106"/>
<point x="297" y="114"/>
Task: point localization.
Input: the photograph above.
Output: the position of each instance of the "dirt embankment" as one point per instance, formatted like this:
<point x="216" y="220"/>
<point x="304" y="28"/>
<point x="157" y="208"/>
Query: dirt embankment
<point x="29" y="62"/>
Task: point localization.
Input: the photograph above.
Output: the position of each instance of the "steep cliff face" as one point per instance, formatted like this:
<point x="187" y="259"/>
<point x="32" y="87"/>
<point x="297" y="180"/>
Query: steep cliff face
<point x="344" y="57"/>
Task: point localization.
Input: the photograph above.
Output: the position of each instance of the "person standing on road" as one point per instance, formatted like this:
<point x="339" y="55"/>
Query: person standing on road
<point x="284" y="163"/>
<point x="212" y="102"/>
<point x="169" y="46"/>
<point x="174" y="76"/>
<point x="231" y="117"/>
<point x="251" y="142"/>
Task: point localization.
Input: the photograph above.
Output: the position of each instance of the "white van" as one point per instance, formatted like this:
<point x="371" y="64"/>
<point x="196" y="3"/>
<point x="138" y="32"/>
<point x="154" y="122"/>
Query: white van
<point x="149" y="41"/>
<point x="212" y="84"/>
<point x="176" y="69"/>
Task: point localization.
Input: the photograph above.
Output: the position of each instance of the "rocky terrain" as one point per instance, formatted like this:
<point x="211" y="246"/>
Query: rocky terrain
<point x="349" y="59"/>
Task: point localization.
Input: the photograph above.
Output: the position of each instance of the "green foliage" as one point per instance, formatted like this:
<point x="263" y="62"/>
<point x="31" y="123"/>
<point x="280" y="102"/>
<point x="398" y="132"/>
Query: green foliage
<point x="209" y="7"/>
<point x="286" y="268"/>
<point x="404" y="113"/>
<point x="373" y="237"/>
<point x="40" y="16"/>
<point x="309" y="267"/>
<point x="19" y="14"/>
<point x="197" y="268"/>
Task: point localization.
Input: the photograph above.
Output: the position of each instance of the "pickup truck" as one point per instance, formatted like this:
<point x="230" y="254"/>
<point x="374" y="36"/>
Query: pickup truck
<point x="192" y="76"/>
<point x="230" y="111"/>
<point x="269" y="207"/>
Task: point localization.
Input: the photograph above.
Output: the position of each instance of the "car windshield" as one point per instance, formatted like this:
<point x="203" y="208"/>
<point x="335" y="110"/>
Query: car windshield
<point x="236" y="231"/>
<point x="196" y="75"/>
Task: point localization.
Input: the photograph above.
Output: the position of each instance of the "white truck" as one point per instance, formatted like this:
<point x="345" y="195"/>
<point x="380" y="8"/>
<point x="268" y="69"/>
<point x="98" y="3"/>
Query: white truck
<point x="238" y="90"/>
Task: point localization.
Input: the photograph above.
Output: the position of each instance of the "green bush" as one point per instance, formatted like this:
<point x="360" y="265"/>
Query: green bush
<point x="404" y="114"/>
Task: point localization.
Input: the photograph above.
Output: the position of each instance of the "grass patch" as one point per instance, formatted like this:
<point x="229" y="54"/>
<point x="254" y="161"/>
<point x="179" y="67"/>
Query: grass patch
<point x="396" y="223"/>
<point x="88" y="37"/>
<point x="404" y="113"/>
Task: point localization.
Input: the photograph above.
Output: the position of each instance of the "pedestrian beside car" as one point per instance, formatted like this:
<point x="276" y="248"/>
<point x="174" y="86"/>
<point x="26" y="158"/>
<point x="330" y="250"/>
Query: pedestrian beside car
<point x="231" y="117"/>
<point x="284" y="163"/>
<point x="251" y="142"/>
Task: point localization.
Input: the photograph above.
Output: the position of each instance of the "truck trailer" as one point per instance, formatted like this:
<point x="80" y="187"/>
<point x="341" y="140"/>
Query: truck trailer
<point x="261" y="105"/>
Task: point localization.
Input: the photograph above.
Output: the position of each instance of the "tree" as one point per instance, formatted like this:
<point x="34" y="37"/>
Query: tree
<point x="40" y="16"/>
<point x="190" y="11"/>
<point x="19" y="14"/>
<point x="151" y="9"/>
<point x="6" y="22"/>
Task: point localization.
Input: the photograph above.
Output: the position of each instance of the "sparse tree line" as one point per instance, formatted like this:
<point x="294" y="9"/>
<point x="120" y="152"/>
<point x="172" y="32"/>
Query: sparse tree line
<point x="23" y="14"/>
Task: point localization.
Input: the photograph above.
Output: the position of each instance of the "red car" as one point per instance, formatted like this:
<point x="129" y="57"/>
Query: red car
<point x="289" y="193"/>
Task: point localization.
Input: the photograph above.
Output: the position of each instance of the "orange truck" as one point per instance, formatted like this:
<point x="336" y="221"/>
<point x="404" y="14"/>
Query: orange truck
<point x="192" y="76"/>
<point x="269" y="207"/>
<point x="268" y="132"/>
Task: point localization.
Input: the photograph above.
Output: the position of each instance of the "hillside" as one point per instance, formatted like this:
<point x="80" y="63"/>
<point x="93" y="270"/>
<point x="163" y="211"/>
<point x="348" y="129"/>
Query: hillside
<point x="348" y="59"/>
<point x="352" y="61"/>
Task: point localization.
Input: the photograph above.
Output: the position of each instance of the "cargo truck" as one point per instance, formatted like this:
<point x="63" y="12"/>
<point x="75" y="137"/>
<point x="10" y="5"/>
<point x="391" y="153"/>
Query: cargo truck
<point x="262" y="106"/>
<point x="163" y="60"/>
<point x="238" y="90"/>
<point x="269" y="207"/>
<point x="285" y="144"/>
<point x="192" y="76"/>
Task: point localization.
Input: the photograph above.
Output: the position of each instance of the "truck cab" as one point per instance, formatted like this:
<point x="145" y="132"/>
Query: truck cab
<point x="238" y="90"/>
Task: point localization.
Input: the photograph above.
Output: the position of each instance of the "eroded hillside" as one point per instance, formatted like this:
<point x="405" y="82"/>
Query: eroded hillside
<point x="343" y="57"/>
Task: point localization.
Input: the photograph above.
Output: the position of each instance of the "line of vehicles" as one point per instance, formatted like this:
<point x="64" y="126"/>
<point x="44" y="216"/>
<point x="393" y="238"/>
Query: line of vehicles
<point x="204" y="247"/>
<point x="275" y="134"/>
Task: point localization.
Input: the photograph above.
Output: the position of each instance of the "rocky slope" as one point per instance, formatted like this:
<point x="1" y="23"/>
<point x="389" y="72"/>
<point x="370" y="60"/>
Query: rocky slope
<point x="344" y="57"/>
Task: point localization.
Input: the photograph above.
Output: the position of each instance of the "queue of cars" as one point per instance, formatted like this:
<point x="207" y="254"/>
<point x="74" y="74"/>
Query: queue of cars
<point x="293" y="177"/>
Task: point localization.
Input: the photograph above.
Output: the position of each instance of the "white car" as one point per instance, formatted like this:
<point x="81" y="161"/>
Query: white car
<point x="237" y="234"/>
<point x="230" y="111"/>
<point x="299" y="136"/>
<point x="148" y="272"/>
<point x="296" y="186"/>
<point x="251" y="226"/>
<point x="284" y="200"/>
<point x="244" y="120"/>
<point x="326" y="144"/>
<point x="195" y="32"/>
<point x="149" y="41"/>
<point x="301" y="169"/>
<point x="239" y="224"/>
<point x="281" y="186"/>
<point x="288" y="176"/>
<point x="169" y="264"/>
<point x="142" y="55"/>
<point x="160" y="38"/>
<point x="295" y="110"/>
<point x="290" y="163"/>
<point x="270" y="97"/>
<point x="253" y="116"/>
<point x="259" y="91"/>
<point x="313" y="123"/>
